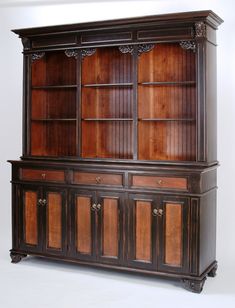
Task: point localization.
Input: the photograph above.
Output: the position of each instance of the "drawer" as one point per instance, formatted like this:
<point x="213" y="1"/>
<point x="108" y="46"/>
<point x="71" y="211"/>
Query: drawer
<point x="42" y="175"/>
<point x="159" y="182"/>
<point x="97" y="178"/>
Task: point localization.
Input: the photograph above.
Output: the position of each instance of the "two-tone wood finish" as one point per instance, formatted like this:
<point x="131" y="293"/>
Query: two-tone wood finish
<point x="119" y="146"/>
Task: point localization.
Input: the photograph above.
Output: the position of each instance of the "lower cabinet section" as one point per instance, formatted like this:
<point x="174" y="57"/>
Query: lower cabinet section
<point x="151" y="233"/>
<point x="42" y="219"/>
<point x="158" y="233"/>
<point x="97" y="226"/>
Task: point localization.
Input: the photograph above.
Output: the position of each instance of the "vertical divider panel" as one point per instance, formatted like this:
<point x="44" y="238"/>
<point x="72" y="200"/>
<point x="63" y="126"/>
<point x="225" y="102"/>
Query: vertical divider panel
<point x="135" y="103"/>
<point x="79" y="104"/>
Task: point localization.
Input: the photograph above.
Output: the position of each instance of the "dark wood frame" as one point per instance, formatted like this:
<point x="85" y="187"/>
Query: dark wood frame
<point x="199" y="199"/>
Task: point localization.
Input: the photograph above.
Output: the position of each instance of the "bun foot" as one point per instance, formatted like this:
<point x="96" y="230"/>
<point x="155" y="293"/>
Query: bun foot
<point x="213" y="271"/>
<point x="17" y="257"/>
<point x="192" y="285"/>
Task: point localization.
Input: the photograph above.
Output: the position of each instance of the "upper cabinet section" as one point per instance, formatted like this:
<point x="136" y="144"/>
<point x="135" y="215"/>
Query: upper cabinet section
<point x="140" y="89"/>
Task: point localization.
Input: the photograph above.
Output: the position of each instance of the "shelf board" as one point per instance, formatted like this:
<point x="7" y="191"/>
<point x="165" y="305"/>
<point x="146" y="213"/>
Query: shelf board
<point x="107" y="119"/>
<point x="104" y="85"/>
<point x="167" y="83"/>
<point x="53" y="87"/>
<point x="167" y="119"/>
<point x="56" y="119"/>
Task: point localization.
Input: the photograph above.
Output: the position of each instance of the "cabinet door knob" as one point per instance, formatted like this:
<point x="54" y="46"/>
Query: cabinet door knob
<point x="160" y="212"/>
<point x="40" y="201"/>
<point x="44" y="202"/>
<point x="93" y="207"/>
<point x="155" y="212"/>
<point x="98" y="207"/>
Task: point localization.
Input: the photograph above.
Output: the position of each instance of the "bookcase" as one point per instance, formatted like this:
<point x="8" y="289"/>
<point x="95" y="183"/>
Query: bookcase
<point x="119" y="146"/>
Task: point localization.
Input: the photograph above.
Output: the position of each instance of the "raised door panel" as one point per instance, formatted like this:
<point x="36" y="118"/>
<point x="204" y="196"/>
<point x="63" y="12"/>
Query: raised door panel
<point x="83" y="225"/>
<point x="173" y="239"/>
<point x="110" y="227"/>
<point x="142" y="231"/>
<point x="30" y="219"/>
<point x="55" y="221"/>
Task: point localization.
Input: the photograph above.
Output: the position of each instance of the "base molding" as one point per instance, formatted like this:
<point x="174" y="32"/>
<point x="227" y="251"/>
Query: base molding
<point x="191" y="283"/>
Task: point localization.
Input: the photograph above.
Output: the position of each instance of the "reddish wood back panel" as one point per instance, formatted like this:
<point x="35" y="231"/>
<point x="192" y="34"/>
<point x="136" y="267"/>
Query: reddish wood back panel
<point x="173" y="234"/>
<point x="107" y="65"/>
<point x="143" y="231"/>
<point x="55" y="68"/>
<point x="110" y="139"/>
<point x="83" y="224"/>
<point x="115" y="102"/>
<point x="170" y="140"/>
<point x="53" y="138"/>
<point x="31" y="217"/>
<point x="110" y="227"/>
<point x="53" y="103"/>
<point x="97" y="178"/>
<point x="54" y="220"/>
<point x="159" y="181"/>
<point x="167" y="62"/>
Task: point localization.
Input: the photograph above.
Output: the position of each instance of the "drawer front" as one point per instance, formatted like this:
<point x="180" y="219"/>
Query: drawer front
<point x="42" y="175"/>
<point x="97" y="178"/>
<point x="159" y="182"/>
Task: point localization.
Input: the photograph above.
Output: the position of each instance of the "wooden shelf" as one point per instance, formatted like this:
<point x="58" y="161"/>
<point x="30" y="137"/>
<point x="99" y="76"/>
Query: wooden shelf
<point x="159" y="119"/>
<point x="106" y="85"/>
<point x="107" y="119"/>
<point x="167" y="83"/>
<point x="53" y="87"/>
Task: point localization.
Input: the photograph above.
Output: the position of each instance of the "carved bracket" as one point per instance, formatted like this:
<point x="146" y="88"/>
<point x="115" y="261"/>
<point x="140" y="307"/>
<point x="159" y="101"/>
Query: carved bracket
<point x="126" y="49"/>
<point x="71" y="53"/>
<point x="87" y="52"/>
<point x="200" y="29"/>
<point x="140" y="48"/>
<point x="188" y="45"/>
<point x="144" y="48"/>
<point x="37" y="55"/>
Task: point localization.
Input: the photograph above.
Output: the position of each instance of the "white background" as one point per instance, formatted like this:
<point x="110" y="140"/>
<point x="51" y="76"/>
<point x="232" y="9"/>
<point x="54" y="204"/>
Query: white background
<point x="38" y="283"/>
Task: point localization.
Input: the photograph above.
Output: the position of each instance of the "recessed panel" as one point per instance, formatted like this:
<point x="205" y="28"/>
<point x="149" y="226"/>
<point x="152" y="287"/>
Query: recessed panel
<point x="31" y="218"/>
<point x="173" y="234"/>
<point x="143" y="237"/>
<point x="54" y="220"/>
<point x="110" y="228"/>
<point x="83" y="224"/>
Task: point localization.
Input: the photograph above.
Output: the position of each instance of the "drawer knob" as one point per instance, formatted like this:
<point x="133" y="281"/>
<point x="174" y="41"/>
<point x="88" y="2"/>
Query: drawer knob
<point x="43" y="175"/>
<point x="98" y="179"/>
<point x="160" y="182"/>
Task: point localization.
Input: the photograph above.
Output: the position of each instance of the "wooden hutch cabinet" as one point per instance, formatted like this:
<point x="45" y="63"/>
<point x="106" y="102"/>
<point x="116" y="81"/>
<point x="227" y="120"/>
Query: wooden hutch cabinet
<point x="119" y="146"/>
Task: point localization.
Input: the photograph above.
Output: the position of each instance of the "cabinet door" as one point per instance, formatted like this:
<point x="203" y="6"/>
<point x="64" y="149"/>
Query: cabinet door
<point x="173" y="239"/>
<point x="142" y="231"/>
<point x="83" y="221"/>
<point x="110" y="227"/>
<point x="30" y="231"/>
<point x="54" y="221"/>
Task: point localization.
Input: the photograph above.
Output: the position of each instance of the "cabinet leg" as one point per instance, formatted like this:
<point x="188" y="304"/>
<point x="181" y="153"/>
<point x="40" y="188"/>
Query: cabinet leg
<point x="16" y="257"/>
<point x="213" y="271"/>
<point x="192" y="285"/>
